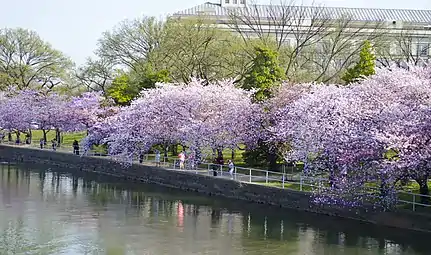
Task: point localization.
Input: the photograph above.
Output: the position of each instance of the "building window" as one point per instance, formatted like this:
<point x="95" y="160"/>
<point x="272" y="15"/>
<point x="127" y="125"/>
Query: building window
<point x="242" y="1"/>
<point x="235" y="1"/>
<point x="422" y="49"/>
<point x="226" y="1"/>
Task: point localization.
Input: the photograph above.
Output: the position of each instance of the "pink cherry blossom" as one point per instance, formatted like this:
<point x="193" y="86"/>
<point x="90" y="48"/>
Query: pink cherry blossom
<point x="195" y="115"/>
<point x="345" y="134"/>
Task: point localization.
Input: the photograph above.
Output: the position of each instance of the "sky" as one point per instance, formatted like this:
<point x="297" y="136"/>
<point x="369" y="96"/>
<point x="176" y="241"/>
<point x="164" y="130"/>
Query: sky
<point x="74" y="26"/>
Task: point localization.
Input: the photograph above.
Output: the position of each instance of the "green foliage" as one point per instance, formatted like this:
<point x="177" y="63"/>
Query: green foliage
<point x="26" y="61"/>
<point x="264" y="74"/>
<point x="263" y="156"/>
<point x="195" y="47"/>
<point x="365" y="67"/>
<point x="121" y="90"/>
<point x="148" y="78"/>
<point x="256" y="157"/>
<point x="126" y="86"/>
<point x="130" y="43"/>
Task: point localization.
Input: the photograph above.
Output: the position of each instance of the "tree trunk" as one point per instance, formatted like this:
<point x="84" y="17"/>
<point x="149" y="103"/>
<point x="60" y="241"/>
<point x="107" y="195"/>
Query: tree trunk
<point x="30" y="135"/>
<point x="58" y="136"/>
<point x="272" y="160"/>
<point x="44" y="136"/>
<point x="165" y="150"/>
<point x="233" y="154"/>
<point x="383" y="188"/>
<point x="18" y="137"/>
<point x="220" y="156"/>
<point x="9" y="137"/>
<point x="174" y="150"/>
<point x="331" y="178"/>
<point x="423" y="190"/>
<point x="198" y="156"/>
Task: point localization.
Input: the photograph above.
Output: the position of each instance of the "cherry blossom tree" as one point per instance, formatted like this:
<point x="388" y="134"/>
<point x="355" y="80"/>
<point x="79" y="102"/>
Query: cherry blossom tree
<point x="404" y="121"/>
<point x="25" y="109"/>
<point x="320" y="127"/>
<point x="14" y="114"/>
<point x="49" y="112"/>
<point x="20" y="111"/>
<point x="86" y="110"/>
<point x="347" y="134"/>
<point x="196" y="115"/>
<point x="359" y="142"/>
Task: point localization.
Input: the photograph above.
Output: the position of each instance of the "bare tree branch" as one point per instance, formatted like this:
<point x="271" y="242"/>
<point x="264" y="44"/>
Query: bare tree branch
<point x="309" y="38"/>
<point x="130" y="43"/>
<point x="95" y="75"/>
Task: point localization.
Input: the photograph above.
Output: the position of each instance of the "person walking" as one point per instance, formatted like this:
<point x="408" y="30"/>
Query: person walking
<point x="157" y="159"/>
<point x="231" y="167"/>
<point x="214" y="167"/>
<point x="75" y="147"/>
<point x="54" y="145"/>
<point x="182" y="158"/>
<point x="191" y="160"/>
<point x="41" y="143"/>
<point x="27" y="139"/>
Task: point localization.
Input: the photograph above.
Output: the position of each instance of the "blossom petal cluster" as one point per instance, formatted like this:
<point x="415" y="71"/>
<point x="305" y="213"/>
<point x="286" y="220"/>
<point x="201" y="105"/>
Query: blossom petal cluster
<point x="197" y="115"/>
<point x="24" y="110"/>
<point x="371" y="133"/>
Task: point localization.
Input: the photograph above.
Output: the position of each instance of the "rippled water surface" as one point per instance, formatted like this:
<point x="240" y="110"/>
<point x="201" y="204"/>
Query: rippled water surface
<point x="43" y="212"/>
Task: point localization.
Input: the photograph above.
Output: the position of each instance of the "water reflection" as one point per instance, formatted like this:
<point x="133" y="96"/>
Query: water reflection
<point x="44" y="212"/>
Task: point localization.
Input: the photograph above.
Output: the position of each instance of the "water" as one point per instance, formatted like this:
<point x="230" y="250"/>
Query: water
<point x="43" y="212"/>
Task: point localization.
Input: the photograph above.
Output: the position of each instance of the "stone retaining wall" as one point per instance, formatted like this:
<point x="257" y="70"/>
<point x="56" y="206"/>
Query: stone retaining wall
<point x="207" y="185"/>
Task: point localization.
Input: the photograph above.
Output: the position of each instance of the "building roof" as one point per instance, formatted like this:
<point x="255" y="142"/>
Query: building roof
<point x="359" y="14"/>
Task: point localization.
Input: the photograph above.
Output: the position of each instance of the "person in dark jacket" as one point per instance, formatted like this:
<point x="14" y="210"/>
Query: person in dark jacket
<point x="75" y="147"/>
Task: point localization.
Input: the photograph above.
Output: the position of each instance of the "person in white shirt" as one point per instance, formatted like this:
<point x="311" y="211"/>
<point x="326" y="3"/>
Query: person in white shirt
<point x="231" y="167"/>
<point x="182" y="158"/>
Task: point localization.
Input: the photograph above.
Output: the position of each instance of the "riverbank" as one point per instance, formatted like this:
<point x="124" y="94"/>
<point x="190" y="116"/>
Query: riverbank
<point x="209" y="185"/>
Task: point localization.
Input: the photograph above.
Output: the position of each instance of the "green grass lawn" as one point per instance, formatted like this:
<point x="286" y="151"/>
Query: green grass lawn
<point x="411" y="187"/>
<point x="290" y="185"/>
<point x="68" y="138"/>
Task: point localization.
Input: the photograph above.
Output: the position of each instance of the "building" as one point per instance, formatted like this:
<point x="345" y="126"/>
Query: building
<point x="407" y="33"/>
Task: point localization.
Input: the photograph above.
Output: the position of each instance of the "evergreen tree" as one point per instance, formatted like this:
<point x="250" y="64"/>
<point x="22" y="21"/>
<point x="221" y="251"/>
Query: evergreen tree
<point x="365" y="67"/>
<point x="264" y="73"/>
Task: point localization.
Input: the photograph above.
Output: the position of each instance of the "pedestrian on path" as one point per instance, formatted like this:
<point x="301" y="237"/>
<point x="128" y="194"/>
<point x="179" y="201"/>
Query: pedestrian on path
<point x="75" y="147"/>
<point x="214" y="167"/>
<point x="182" y="158"/>
<point x="191" y="160"/>
<point x="54" y="145"/>
<point x="157" y="158"/>
<point x="27" y="139"/>
<point x="231" y="168"/>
